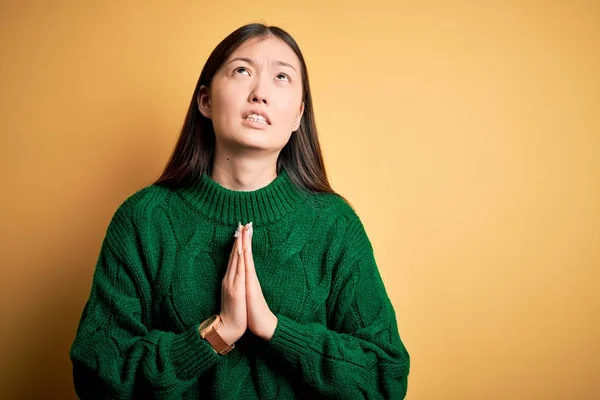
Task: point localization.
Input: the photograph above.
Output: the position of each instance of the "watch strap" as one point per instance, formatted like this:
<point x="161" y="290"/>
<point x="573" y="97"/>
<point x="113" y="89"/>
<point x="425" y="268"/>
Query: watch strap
<point x="217" y="342"/>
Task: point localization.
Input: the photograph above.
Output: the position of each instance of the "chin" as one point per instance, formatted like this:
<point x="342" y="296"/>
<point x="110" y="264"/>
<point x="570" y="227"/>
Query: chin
<point x="252" y="143"/>
<point x="256" y="139"/>
<point x="252" y="140"/>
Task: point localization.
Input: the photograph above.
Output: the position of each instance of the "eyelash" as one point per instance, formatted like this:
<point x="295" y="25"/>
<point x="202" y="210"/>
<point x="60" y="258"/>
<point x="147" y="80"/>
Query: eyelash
<point x="280" y="74"/>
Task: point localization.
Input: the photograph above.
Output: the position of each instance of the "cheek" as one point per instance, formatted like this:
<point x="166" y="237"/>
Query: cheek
<point x="287" y="107"/>
<point x="223" y="104"/>
<point x="226" y="98"/>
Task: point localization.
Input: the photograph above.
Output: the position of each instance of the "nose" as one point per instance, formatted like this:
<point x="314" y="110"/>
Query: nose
<point x="259" y="99"/>
<point x="258" y="93"/>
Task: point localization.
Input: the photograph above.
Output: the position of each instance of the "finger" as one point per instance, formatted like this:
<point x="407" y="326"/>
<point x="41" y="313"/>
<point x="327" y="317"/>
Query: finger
<point x="232" y="252"/>
<point x="244" y="239"/>
<point x="250" y="232"/>
<point x="252" y="283"/>
<point x="248" y="257"/>
<point x="240" y="273"/>
<point x="239" y="276"/>
<point x="231" y="271"/>
<point x="253" y="287"/>
<point x="231" y="266"/>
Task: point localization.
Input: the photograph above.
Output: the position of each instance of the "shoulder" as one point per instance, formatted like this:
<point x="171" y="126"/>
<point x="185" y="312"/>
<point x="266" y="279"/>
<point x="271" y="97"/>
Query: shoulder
<point x="332" y="205"/>
<point x="345" y="224"/>
<point x="142" y="205"/>
<point x="138" y="213"/>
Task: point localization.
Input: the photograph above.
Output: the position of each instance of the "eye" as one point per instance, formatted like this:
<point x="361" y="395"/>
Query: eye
<point x="241" y="69"/>
<point x="285" y="77"/>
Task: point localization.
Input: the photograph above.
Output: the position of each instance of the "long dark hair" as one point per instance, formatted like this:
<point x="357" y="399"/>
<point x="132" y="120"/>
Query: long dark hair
<point x="194" y="152"/>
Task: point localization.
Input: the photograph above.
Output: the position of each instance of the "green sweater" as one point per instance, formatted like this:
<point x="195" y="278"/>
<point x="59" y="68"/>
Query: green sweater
<point x="159" y="273"/>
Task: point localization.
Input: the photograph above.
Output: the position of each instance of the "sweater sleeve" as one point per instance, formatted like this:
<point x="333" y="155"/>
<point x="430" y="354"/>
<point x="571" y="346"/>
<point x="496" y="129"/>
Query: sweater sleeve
<point x="359" y="355"/>
<point x="115" y="354"/>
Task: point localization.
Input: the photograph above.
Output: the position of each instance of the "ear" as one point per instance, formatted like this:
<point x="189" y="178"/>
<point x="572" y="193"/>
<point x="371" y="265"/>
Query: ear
<point x="298" y="118"/>
<point x="204" y="103"/>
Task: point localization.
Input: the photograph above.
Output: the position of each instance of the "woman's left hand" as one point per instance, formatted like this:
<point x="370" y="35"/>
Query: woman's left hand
<point x="261" y="321"/>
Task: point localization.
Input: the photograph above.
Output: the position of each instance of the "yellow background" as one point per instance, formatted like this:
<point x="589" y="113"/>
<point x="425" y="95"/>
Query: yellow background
<point x="465" y="133"/>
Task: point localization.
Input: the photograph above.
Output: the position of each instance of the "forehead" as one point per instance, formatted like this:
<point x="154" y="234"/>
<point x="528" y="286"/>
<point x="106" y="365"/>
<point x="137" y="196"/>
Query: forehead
<point x="267" y="49"/>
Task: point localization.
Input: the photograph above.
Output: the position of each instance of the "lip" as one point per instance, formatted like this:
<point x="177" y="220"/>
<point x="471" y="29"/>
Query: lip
<point x="255" y="125"/>
<point x="257" y="112"/>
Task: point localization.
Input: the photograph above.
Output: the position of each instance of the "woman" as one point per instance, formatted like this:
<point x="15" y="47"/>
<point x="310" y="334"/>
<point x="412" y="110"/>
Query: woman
<point x="291" y="305"/>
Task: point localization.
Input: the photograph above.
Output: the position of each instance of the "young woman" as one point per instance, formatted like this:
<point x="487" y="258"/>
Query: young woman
<point x="289" y="305"/>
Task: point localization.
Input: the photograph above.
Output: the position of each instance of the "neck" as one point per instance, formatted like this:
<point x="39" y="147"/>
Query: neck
<point x="262" y="206"/>
<point x="243" y="176"/>
<point x="243" y="170"/>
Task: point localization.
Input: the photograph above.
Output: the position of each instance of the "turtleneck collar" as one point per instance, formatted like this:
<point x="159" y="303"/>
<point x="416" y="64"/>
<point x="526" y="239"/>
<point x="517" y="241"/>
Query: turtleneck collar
<point x="261" y="206"/>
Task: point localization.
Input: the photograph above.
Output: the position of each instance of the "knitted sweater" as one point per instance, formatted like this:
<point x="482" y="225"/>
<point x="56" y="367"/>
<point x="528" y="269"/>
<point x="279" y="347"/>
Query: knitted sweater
<point x="159" y="273"/>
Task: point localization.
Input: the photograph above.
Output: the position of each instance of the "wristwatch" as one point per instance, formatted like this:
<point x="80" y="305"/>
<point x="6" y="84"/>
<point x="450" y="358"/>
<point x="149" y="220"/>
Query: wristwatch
<point x="208" y="330"/>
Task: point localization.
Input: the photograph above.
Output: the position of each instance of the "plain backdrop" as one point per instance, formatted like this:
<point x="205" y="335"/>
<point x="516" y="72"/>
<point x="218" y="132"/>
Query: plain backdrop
<point x="465" y="133"/>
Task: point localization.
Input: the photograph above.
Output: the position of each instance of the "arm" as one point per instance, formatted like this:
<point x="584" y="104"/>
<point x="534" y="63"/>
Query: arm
<point x="115" y="354"/>
<point x="361" y="356"/>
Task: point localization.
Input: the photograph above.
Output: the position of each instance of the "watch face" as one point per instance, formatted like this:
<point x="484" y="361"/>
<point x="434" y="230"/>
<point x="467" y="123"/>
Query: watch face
<point x="207" y="322"/>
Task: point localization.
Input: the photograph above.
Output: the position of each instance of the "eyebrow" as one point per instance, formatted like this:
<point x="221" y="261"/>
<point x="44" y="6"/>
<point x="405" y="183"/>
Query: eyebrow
<point x="251" y="62"/>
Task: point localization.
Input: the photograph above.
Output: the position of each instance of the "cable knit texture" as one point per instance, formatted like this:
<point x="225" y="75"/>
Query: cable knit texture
<point x="159" y="275"/>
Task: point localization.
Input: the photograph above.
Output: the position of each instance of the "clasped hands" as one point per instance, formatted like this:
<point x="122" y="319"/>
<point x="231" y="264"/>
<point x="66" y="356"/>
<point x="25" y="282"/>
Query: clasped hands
<point x="243" y="305"/>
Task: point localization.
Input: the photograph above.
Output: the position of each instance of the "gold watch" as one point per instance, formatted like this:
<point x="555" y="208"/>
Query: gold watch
<point x="208" y="330"/>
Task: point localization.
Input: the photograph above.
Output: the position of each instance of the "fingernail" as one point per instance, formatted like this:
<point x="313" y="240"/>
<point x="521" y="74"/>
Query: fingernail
<point x="238" y="230"/>
<point x="250" y="229"/>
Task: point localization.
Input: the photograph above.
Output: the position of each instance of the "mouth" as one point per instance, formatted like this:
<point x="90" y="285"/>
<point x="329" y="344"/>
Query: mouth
<point x="255" y="123"/>
<point x="258" y="117"/>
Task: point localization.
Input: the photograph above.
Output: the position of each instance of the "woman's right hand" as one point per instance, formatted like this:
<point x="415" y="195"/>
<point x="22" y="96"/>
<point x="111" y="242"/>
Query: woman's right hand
<point x="233" y="294"/>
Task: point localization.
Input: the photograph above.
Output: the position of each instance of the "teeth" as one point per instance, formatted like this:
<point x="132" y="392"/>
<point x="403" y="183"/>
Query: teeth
<point x="257" y="118"/>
